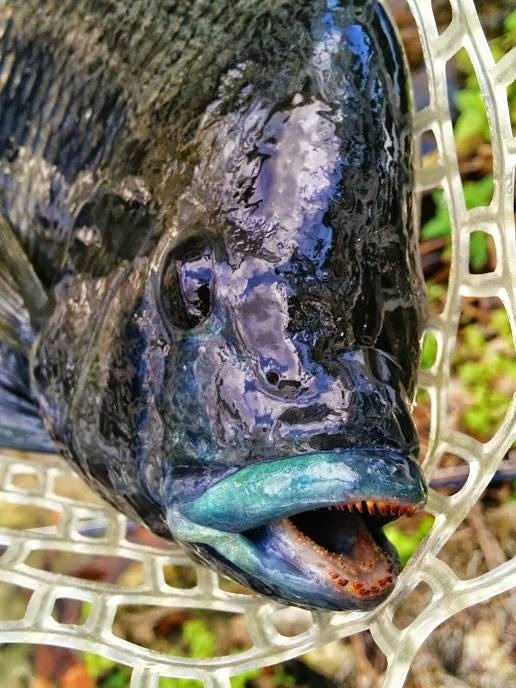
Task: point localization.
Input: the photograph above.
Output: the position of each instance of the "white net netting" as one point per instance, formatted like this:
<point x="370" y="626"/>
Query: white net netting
<point x="69" y="521"/>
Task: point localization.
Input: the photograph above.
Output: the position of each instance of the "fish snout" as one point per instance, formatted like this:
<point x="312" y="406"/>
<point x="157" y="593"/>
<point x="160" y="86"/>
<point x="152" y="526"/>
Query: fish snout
<point x="356" y="401"/>
<point x="374" y="404"/>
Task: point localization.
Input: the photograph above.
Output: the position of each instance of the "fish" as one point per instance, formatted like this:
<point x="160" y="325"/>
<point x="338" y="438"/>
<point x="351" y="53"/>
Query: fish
<point x="210" y="294"/>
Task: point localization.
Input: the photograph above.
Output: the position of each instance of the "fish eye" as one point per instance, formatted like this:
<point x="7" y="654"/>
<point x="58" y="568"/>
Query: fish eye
<point x="186" y="284"/>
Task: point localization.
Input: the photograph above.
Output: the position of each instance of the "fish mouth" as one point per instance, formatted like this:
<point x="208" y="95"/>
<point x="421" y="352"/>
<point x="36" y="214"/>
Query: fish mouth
<point x="347" y="551"/>
<point x="306" y="529"/>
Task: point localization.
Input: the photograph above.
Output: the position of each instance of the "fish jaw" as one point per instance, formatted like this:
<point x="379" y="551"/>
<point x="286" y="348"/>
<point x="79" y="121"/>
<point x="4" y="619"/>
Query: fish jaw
<point x="306" y="529"/>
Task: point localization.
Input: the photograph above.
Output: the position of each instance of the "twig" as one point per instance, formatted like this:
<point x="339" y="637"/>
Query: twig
<point x="456" y="476"/>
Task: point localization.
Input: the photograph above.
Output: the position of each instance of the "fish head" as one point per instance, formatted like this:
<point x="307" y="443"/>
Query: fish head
<point x="298" y="324"/>
<point x="244" y="386"/>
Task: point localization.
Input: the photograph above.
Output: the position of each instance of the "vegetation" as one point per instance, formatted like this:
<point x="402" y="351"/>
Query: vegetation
<point x="487" y="373"/>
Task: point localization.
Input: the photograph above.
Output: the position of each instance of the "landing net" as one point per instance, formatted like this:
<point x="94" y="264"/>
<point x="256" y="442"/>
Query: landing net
<point x="78" y="524"/>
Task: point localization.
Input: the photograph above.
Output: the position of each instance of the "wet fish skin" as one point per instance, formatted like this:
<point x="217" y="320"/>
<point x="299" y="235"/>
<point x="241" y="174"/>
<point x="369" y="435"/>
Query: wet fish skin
<point x="260" y="154"/>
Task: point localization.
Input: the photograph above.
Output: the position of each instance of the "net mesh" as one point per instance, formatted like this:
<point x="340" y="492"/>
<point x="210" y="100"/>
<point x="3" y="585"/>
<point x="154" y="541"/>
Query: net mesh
<point x="75" y="522"/>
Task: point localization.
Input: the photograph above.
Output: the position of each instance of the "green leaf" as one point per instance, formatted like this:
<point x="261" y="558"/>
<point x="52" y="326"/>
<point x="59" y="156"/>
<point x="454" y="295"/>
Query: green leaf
<point x="476" y="421"/>
<point x="436" y="227"/>
<point x="201" y="640"/>
<point x="510" y="23"/>
<point x="472" y="123"/>
<point x="117" y="679"/>
<point x="241" y="680"/>
<point x="406" y="543"/>
<point x="478" y="250"/>
<point x="468" y="99"/>
<point x="429" y="351"/>
<point x="463" y="61"/>
<point x="501" y="325"/>
<point x="439" y="225"/>
<point x="478" y="193"/>
<point x="96" y="665"/>
<point x="179" y="683"/>
<point x="436" y="294"/>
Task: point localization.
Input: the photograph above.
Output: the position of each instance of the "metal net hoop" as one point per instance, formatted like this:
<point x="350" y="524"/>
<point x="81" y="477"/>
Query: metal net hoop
<point x="450" y="594"/>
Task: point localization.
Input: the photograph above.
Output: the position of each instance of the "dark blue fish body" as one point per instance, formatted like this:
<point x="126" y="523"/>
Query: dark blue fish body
<point x="209" y="288"/>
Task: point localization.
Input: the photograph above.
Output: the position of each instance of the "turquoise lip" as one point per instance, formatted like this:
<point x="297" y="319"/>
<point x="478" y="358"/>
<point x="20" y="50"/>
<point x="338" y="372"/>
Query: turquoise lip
<point x="242" y="525"/>
<point x="263" y="492"/>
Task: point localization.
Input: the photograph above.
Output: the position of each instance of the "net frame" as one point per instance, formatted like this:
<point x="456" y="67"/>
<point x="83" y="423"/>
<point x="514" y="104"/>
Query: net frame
<point x="450" y="594"/>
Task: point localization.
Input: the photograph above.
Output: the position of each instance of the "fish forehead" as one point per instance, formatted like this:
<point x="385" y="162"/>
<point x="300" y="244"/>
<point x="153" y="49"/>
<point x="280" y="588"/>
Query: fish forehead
<point x="270" y="170"/>
<point x="269" y="189"/>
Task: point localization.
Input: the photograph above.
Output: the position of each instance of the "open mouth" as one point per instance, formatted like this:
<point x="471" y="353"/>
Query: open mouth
<point x="342" y="546"/>
<point x="306" y="529"/>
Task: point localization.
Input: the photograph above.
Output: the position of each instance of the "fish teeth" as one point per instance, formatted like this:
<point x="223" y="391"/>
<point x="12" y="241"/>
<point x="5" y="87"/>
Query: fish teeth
<point x="375" y="508"/>
<point x="383" y="508"/>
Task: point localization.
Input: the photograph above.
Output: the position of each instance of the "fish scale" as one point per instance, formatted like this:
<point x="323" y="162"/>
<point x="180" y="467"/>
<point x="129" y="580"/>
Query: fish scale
<point x="132" y="74"/>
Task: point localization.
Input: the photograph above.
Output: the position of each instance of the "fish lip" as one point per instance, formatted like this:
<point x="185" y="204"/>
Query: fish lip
<point x="258" y="547"/>
<point x="270" y="490"/>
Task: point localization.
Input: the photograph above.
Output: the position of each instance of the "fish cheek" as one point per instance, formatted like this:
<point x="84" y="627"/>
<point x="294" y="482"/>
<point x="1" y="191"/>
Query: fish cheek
<point x="97" y="377"/>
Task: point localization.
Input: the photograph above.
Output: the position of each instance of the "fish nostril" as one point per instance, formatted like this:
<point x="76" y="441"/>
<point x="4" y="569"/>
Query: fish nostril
<point x="272" y="378"/>
<point x="288" y="387"/>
